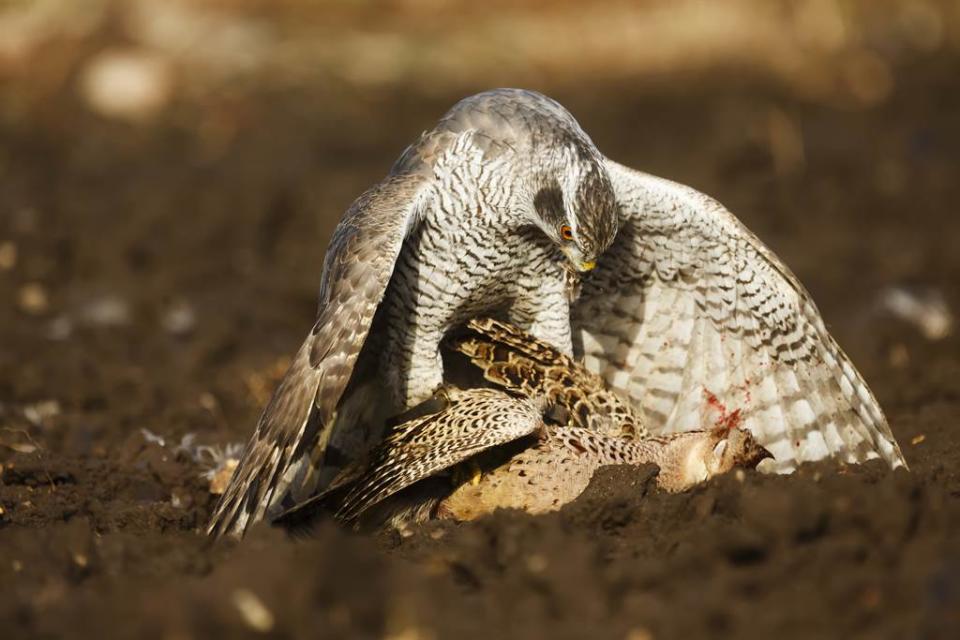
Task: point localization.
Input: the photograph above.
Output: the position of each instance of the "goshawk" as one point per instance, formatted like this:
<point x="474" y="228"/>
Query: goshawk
<point x="687" y="314"/>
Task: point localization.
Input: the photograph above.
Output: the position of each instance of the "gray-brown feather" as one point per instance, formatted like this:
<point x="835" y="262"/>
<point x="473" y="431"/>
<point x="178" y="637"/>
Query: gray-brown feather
<point x="697" y="322"/>
<point x="357" y="268"/>
<point x="449" y="234"/>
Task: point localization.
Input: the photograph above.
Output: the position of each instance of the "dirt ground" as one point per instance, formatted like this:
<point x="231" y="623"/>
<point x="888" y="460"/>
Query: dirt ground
<point x="154" y="279"/>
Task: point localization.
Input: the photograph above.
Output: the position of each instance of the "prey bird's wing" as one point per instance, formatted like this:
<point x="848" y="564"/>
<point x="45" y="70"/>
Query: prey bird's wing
<point x="295" y="424"/>
<point x="520" y="363"/>
<point x="474" y="420"/>
<point x="699" y="324"/>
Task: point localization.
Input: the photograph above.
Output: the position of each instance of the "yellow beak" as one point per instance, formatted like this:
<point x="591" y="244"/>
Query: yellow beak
<point x="587" y="265"/>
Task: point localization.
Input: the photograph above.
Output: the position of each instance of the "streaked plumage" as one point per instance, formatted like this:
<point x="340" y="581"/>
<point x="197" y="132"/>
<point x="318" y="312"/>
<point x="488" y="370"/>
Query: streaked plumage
<point x="692" y="318"/>
<point x="537" y="449"/>
<point x="468" y="222"/>
<point x="687" y="315"/>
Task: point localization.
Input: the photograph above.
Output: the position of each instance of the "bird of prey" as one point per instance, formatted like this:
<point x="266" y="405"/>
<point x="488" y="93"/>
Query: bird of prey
<point x="687" y="314"/>
<point x="533" y="442"/>
<point x="476" y="217"/>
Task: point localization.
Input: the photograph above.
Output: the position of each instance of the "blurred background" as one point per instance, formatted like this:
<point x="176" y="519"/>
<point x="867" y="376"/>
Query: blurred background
<point x="170" y="173"/>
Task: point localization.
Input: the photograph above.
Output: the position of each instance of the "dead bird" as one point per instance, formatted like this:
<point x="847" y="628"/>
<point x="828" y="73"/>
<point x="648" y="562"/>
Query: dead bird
<point x="531" y="442"/>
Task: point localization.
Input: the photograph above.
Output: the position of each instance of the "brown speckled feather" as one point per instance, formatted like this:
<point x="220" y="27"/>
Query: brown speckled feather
<point x="473" y="421"/>
<point x="518" y="362"/>
<point x="537" y="475"/>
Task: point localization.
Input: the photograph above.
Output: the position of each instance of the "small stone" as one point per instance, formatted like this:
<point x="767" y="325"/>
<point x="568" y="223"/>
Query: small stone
<point x="179" y="320"/>
<point x="153" y="438"/>
<point x="17" y="566"/>
<point x="33" y="299"/>
<point x="209" y="401"/>
<point x="915" y="440"/>
<point x="537" y="563"/>
<point x="22" y="447"/>
<point x="128" y="84"/>
<point x="40" y="413"/>
<point x="8" y="256"/>
<point x="108" y="310"/>
<point x="639" y="634"/>
<point x="221" y="479"/>
<point x="60" y="328"/>
<point x="254" y="613"/>
<point x="925" y="308"/>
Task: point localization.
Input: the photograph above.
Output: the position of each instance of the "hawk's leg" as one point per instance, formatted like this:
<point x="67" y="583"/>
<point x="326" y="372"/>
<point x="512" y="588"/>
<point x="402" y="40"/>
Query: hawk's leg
<point x="421" y="371"/>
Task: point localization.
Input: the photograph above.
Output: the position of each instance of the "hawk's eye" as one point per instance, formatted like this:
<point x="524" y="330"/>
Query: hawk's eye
<point x="566" y="233"/>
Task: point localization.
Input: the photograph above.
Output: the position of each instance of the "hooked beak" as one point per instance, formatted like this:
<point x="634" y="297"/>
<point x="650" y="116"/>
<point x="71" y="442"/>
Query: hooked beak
<point x="576" y="259"/>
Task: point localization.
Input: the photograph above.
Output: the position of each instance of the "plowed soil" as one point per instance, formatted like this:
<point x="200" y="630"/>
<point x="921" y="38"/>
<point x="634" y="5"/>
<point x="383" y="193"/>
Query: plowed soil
<point x="162" y="274"/>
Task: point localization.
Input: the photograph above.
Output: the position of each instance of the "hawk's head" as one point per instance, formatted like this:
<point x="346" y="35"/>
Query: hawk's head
<point x="575" y="205"/>
<point x="570" y="195"/>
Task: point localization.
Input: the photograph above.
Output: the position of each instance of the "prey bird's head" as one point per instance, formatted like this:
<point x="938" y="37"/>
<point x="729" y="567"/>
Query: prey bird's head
<point x="556" y="175"/>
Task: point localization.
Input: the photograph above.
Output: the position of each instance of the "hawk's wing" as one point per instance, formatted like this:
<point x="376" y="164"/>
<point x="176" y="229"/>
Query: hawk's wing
<point x="695" y="320"/>
<point x="296" y="422"/>
<point x="475" y="420"/>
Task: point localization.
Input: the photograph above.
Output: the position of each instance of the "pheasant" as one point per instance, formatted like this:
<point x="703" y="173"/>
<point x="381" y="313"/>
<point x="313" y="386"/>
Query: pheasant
<point x="531" y="441"/>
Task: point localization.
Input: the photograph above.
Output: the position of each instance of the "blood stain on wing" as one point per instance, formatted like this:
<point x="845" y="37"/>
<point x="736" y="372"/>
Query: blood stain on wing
<point x="727" y="419"/>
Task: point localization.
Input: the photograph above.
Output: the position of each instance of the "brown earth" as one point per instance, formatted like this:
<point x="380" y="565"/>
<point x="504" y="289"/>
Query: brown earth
<point x="162" y="274"/>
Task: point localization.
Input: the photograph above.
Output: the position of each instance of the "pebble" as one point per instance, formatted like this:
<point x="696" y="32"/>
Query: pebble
<point x="8" y="256"/>
<point x="537" y="563"/>
<point x="179" y="320"/>
<point x="33" y="299"/>
<point x="221" y="479"/>
<point x="127" y="84"/>
<point x="107" y="310"/>
<point x="254" y="613"/>
<point x="925" y="308"/>
<point x="40" y="412"/>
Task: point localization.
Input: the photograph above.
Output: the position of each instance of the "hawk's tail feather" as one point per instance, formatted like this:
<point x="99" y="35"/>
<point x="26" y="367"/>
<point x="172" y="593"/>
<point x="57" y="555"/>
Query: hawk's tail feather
<point x="272" y="461"/>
